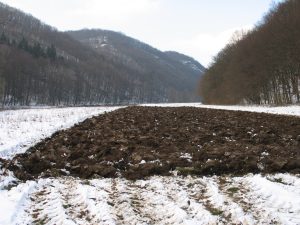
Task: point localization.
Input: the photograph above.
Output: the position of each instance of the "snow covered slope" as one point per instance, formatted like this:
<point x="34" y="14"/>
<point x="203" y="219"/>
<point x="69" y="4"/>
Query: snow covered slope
<point x="20" y="129"/>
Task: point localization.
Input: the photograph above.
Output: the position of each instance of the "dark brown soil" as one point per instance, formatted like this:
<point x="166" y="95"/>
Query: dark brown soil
<point x="137" y="142"/>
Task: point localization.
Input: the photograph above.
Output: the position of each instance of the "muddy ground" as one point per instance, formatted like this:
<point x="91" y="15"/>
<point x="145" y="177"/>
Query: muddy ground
<point x="136" y="142"/>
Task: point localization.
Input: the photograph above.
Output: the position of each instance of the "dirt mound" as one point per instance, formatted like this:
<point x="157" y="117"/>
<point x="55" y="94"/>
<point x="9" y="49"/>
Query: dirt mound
<point x="136" y="142"/>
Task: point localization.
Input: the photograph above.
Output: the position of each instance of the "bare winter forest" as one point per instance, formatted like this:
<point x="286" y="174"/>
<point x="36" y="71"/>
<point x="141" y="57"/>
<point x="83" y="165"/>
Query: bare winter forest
<point x="261" y="66"/>
<point x="40" y="65"/>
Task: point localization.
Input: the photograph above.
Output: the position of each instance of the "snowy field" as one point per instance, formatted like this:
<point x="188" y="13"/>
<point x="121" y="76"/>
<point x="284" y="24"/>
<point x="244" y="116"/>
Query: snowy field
<point x="252" y="199"/>
<point x="20" y="129"/>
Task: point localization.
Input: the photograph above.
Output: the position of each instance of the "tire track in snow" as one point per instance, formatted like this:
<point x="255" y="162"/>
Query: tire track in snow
<point x="122" y="203"/>
<point x="253" y="199"/>
<point x="98" y="200"/>
<point x="248" y="202"/>
<point x="229" y="189"/>
<point x="75" y="202"/>
<point x="138" y="202"/>
<point x="278" y="202"/>
<point x="18" y="203"/>
<point x="158" y="205"/>
<point x="167" y="201"/>
<point x="60" y="201"/>
<point x="268" y="201"/>
<point x="181" y="191"/>
<point x="219" y="204"/>
<point x="47" y="204"/>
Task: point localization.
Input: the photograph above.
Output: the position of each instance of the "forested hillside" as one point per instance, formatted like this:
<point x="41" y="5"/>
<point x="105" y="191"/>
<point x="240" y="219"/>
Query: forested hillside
<point x="261" y="66"/>
<point x="155" y="67"/>
<point x="41" y="65"/>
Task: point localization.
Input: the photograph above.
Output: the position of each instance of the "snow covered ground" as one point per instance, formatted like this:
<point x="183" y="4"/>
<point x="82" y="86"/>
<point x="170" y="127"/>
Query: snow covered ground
<point x="20" y="129"/>
<point x="251" y="199"/>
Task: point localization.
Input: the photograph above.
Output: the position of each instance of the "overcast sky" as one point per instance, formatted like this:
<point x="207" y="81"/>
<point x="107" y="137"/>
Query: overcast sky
<point x="199" y="28"/>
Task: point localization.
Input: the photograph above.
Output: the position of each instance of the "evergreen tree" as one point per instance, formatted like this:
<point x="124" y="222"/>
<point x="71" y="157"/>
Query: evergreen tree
<point x="23" y="44"/>
<point x="3" y="39"/>
<point x="51" y="52"/>
<point x="37" y="50"/>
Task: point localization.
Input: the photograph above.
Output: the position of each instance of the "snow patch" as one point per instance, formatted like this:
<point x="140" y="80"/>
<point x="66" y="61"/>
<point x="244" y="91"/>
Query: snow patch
<point x="20" y="129"/>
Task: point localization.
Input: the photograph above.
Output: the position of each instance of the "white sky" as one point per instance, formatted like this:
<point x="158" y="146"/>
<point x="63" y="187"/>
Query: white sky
<point x="198" y="28"/>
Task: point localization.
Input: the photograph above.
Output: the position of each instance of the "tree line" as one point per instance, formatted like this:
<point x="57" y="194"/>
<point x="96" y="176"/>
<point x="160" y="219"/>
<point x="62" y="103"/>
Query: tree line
<point x="261" y="66"/>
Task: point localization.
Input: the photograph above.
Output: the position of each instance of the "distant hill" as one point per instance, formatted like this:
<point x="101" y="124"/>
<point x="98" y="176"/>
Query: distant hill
<point x="261" y="66"/>
<point x="41" y="65"/>
<point x="188" y="61"/>
<point x="159" y="68"/>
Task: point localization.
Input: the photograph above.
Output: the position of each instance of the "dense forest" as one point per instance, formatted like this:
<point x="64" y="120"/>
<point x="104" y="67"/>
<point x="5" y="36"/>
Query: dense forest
<point x="261" y="66"/>
<point x="40" y="65"/>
